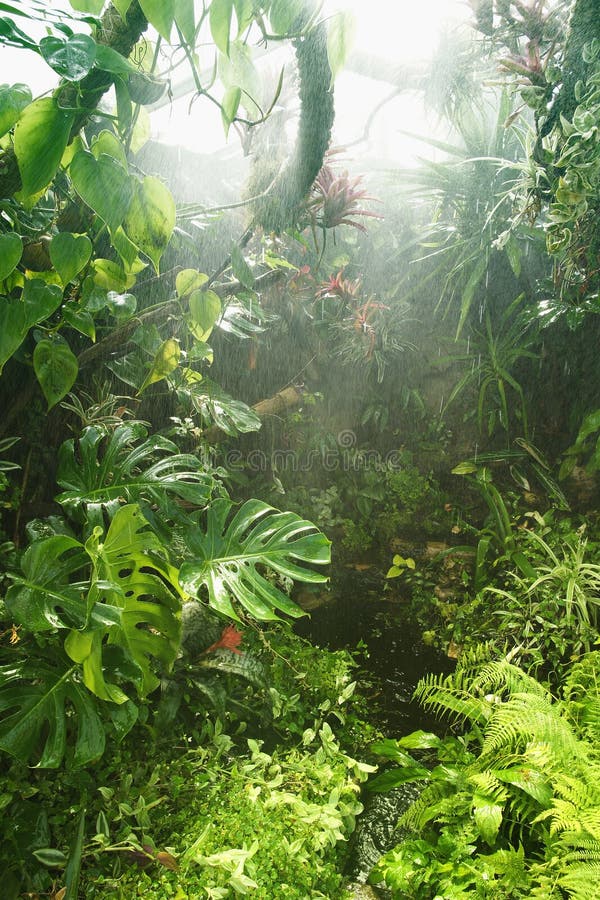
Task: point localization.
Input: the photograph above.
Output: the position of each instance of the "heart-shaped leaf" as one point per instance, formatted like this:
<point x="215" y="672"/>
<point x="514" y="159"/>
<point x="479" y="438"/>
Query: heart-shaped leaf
<point x="205" y="309"/>
<point x="11" y="250"/>
<point x="69" y="254"/>
<point x="220" y="14"/>
<point x="122" y="306"/>
<point x="189" y="280"/>
<point x="71" y="57"/>
<point x="109" y="143"/>
<point x="56" y="369"/>
<point x="17" y="316"/>
<point x="13" y="99"/>
<point x="151" y="218"/>
<point x="185" y="19"/>
<point x="88" y="6"/>
<point x="160" y="13"/>
<point x="122" y="6"/>
<point x="80" y="319"/>
<point x="165" y="362"/>
<point x="41" y="136"/>
<point x="103" y="184"/>
<point x="110" y="276"/>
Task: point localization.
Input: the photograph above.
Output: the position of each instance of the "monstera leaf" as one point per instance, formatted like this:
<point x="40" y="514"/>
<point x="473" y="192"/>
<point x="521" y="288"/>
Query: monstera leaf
<point x="144" y="587"/>
<point x="40" y="702"/>
<point x="229" y="559"/>
<point x="101" y="472"/>
<point x="44" y="596"/>
<point x="217" y="406"/>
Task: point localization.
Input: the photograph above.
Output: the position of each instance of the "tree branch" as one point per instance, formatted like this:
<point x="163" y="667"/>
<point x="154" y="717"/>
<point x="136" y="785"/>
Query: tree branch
<point x="117" y="340"/>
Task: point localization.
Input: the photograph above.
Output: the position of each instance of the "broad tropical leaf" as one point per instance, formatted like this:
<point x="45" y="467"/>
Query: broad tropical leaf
<point x="130" y="557"/>
<point x="218" y="407"/>
<point x="45" y="597"/>
<point x="100" y="472"/>
<point x="228" y="559"/>
<point x="36" y="701"/>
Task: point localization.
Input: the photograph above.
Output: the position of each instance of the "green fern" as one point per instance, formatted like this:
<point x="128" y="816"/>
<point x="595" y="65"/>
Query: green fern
<point x="527" y="774"/>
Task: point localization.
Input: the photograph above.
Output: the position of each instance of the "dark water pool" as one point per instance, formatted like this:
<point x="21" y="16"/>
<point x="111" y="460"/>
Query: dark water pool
<point x="395" y="657"/>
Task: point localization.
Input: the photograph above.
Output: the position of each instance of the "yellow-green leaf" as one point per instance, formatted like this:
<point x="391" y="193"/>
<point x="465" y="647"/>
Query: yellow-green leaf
<point x="220" y="14"/>
<point x="41" y="136"/>
<point x="151" y="218"/>
<point x="109" y="143"/>
<point x="189" y="280"/>
<point x="166" y="361"/>
<point x="122" y="6"/>
<point x="340" y="36"/>
<point x="159" y="13"/>
<point x="205" y="309"/>
<point x="110" y="276"/>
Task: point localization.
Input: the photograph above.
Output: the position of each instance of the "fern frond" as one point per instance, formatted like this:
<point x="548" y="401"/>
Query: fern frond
<point x="526" y="717"/>
<point x="445" y="696"/>
<point x="488" y="785"/>
<point x="424" y="809"/>
<point x="500" y="676"/>
<point x="581" y="881"/>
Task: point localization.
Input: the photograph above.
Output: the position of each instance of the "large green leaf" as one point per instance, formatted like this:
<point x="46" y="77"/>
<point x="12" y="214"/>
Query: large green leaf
<point x="101" y="472"/>
<point x="340" y="36"/>
<point x="151" y="218"/>
<point x="41" y="136"/>
<point x="216" y="406"/>
<point x="72" y="57"/>
<point x="45" y="596"/>
<point x="13" y="100"/>
<point x="227" y="559"/>
<point x="38" y="302"/>
<point x="159" y="13"/>
<point x="11" y="251"/>
<point x="56" y="369"/>
<point x="40" y="702"/>
<point x="69" y="254"/>
<point x="103" y="184"/>
<point x="220" y="15"/>
<point x="132" y="558"/>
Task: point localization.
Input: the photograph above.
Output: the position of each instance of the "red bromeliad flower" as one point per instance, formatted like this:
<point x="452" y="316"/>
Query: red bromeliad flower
<point x="338" y="286"/>
<point x="335" y="200"/>
<point x="230" y="639"/>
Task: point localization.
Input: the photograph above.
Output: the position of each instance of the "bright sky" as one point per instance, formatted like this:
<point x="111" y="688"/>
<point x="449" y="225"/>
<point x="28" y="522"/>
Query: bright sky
<point x="397" y="31"/>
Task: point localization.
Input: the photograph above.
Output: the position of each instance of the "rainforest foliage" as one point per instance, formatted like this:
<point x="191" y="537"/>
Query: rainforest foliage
<point x="414" y="380"/>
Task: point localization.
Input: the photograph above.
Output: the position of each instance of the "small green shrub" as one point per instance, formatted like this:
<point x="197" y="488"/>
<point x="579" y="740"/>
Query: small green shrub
<point x="511" y="807"/>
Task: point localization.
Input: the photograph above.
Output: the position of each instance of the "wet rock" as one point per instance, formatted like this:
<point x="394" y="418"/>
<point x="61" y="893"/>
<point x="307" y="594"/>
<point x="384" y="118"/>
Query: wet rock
<point x="376" y="831"/>
<point x="363" y="892"/>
